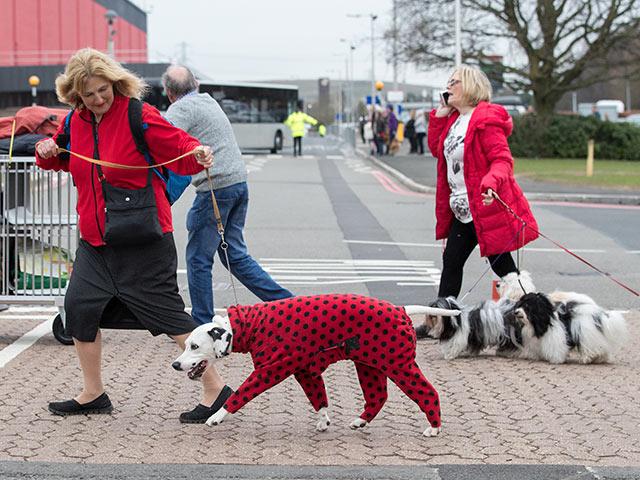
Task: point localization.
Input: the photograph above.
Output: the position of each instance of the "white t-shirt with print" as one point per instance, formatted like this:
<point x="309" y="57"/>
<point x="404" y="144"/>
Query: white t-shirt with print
<point x="454" y="155"/>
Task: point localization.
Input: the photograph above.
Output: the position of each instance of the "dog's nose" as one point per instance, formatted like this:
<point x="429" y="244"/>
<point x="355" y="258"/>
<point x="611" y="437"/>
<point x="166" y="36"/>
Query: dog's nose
<point x="176" y="365"/>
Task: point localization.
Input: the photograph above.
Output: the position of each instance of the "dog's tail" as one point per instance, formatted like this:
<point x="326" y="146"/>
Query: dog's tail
<point x="414" y="309"/>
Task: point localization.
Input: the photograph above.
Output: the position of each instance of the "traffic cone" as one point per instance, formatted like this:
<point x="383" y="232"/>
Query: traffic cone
<point x="495" y="296"/>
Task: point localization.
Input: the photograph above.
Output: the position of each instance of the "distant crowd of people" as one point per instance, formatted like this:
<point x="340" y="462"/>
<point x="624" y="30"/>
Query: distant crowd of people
<point x="379" y="130"/>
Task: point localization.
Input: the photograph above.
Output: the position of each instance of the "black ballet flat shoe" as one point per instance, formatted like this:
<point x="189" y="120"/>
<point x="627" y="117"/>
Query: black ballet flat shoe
<point x="422" y="332"/>
<point x="201" y="413"/>
<point x="102" y="404"/>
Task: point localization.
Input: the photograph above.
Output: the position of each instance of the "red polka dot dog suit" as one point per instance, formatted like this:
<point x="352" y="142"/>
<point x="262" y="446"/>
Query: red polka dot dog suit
<point x="304" y="335"/>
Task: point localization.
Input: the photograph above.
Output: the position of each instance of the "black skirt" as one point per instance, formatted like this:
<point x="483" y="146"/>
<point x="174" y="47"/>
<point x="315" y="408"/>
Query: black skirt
<point x="130" y="287"/>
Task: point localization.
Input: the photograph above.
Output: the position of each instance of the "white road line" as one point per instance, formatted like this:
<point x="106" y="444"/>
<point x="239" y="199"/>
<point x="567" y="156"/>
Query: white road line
<point x="439" y="245"/>
<point x="10" y="352"/>
<point x="27" y="317"/>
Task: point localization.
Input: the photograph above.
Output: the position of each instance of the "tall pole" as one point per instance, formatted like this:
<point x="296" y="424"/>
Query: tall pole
<point x="373" y="63"/>
<point x="458" y="40"/>
<point x="395" y="45"/>
<point x="351" y="49"/>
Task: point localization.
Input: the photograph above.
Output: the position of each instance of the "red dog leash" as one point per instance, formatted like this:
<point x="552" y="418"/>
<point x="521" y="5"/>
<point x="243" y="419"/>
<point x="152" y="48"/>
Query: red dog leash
<point x="563" y="248"/>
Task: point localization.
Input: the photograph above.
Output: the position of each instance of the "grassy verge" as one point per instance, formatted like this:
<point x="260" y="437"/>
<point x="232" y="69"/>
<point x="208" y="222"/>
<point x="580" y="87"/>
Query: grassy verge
<point x="606" y="173"/>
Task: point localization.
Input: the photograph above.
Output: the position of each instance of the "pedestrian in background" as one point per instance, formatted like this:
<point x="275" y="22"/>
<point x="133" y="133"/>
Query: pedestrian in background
<point x="410" y="130"/>
<point x="369" y="137"/>
<point x="392" y="127"/>
<point x="125" y="280"/>
<point x="421" y="131"/>
<point x="468" y="136"/>
<point x="379" y="125"/>
<point x="201" y="116"/>
<point x="297" y="121"/>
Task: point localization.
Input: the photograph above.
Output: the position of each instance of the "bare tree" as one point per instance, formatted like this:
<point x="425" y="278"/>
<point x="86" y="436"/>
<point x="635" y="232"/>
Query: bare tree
<point x="548" y="47"/>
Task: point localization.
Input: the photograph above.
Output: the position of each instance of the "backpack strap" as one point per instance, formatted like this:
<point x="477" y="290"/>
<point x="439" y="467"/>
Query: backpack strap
<point x="134" y="113"/>
<point x="63" y="140"/>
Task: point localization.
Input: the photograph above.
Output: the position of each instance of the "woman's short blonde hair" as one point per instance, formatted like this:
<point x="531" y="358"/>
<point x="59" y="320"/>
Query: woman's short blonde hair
<point x="475" y="85"/>
<point x="88" y="63"/>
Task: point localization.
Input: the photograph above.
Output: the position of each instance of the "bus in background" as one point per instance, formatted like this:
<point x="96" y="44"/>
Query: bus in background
<point x="256" y="110"/>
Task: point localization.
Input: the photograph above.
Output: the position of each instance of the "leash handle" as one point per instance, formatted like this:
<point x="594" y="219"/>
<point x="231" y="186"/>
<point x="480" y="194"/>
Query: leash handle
<point x="215" y="208"/>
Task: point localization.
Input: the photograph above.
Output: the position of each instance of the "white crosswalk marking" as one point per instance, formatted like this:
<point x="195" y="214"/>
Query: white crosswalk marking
<point x="336" y="271"/>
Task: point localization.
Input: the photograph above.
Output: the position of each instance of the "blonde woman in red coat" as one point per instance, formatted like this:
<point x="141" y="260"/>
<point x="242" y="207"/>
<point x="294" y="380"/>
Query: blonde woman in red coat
<point x="468" y="136"/>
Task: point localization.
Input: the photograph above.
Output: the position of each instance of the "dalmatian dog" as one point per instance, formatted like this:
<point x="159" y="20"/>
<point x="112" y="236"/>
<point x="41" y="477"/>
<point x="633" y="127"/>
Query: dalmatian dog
<point x="302" y="336"/>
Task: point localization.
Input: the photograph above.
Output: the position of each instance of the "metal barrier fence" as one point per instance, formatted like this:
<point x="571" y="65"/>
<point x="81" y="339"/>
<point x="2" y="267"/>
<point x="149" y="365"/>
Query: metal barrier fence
<point x="38" y="233"/>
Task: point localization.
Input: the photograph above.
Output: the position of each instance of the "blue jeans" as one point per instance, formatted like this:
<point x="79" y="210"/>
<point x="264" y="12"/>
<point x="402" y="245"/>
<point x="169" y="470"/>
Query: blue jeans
<point x="204" y="241"/>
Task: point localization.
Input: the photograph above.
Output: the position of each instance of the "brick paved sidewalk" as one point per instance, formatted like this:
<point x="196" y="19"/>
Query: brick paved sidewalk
<point x="495" y="411"/>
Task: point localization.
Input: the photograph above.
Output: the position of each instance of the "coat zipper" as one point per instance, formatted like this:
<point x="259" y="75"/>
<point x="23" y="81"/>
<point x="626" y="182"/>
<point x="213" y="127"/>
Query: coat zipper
<point x="96" y="156"/>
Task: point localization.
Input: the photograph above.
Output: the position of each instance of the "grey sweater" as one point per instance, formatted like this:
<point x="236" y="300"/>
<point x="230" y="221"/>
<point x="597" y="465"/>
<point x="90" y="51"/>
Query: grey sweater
<point x="201" y="117"/>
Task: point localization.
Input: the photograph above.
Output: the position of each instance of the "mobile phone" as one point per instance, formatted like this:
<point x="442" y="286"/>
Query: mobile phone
<point x="445" y="97"/>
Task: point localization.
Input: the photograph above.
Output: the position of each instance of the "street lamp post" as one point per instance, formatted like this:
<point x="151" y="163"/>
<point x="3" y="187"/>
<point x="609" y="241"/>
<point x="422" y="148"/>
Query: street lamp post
<point x="373" y="57"/>
<point x="349" y="77"/>
<point x="458" y="39"/>
<point x="34" y="81"/>
<point x="110" y="15"/>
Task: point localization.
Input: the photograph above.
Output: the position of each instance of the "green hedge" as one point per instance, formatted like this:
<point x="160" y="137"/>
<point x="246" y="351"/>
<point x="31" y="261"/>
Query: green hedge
<point x="567" y="136"/>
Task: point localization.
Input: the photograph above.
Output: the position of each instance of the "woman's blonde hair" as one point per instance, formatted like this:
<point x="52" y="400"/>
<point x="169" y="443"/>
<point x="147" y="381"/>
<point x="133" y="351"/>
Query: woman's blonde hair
<point x="475" y="85"/>
<point x="88" y="63"/>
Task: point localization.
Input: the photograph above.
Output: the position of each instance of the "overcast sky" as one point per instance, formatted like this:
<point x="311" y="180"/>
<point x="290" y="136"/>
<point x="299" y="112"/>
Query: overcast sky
<point x="235" y="40"/>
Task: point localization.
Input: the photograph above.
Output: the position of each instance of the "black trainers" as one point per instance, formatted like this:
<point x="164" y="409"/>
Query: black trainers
<point x="102" y="404"/>
<point x="201" y="413"/>
<point x="422" y="331"/>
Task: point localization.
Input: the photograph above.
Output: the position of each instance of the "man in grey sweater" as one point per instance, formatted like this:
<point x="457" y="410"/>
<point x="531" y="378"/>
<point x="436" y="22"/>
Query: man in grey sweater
<point x="200" y="115"/>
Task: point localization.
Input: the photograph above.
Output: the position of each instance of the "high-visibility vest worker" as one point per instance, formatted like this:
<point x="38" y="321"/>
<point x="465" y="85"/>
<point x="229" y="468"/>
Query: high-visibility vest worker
<point x="297" y="120"/>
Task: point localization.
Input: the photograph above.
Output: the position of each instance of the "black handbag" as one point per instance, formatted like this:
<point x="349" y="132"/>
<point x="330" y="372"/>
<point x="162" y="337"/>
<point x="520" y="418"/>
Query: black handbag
<point x="130" y="215"/>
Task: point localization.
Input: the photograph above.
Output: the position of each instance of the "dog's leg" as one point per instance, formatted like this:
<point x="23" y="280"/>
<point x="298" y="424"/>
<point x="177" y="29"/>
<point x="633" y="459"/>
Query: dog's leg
<point x="314" y="389"/>
<point x="217" y="418"/>
<point x="413" y="383"/>
<point x="374" y="388"/>
<point x="260" y="380"/>
<point x="323" y="420"/>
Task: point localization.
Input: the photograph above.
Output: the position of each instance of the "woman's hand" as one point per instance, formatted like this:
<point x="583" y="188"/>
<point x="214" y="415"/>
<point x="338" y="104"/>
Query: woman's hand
<point x="443" y="110"/>
<point x="47" y="148"/>
<point x="488" y="196"/>
<point x="204" y="156"/>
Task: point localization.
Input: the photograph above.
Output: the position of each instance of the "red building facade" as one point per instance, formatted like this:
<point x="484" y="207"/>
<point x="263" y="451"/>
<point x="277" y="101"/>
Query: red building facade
<point x="48" y="32"/>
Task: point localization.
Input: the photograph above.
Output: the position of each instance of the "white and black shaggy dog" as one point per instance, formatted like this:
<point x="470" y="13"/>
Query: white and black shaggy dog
<point x="302" y="336"/>
<point x="476" y="328"/>
<point x="556" y="323"/>
<point x="553" y="325"/>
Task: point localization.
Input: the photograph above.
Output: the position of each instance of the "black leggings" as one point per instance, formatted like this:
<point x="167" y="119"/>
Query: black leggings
<point x="461" y="241"/>
<point x="297" y="142"/>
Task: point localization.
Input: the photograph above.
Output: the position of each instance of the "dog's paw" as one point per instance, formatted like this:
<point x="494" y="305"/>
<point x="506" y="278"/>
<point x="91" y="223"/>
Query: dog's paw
<point x="217" y="418"/>
<point x="323" y="420"/>
<point x="358" y="423"/>
<point x="432" y="432"/>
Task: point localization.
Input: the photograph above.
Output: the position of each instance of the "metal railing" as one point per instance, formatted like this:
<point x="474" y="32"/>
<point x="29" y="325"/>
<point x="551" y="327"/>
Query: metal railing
<point x="38" y="232"/>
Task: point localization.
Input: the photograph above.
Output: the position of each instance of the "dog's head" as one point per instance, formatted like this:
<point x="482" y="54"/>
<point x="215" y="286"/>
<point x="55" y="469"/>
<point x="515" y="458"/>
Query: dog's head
<point x="514" y="285"/>
<point x="443" y="326"/>
<point x="535" y="311"/>
<point x="206" y="343"/>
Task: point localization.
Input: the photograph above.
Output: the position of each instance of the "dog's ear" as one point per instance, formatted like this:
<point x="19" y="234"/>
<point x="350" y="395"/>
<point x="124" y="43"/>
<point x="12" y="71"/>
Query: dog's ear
<point x="216" y="333"/>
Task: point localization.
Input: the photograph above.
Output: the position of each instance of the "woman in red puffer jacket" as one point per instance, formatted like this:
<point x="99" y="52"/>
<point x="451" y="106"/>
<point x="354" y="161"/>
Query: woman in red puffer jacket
<point x="468" y="136"/>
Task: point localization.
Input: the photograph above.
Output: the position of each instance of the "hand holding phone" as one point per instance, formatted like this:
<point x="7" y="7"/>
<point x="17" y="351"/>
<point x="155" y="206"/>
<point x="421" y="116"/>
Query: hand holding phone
<point x="444" y="98"/>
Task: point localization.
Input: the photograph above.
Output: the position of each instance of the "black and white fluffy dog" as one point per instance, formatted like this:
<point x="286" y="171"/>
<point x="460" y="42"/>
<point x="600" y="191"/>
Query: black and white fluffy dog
<point x="476" y="328"/>
<point x="554" y="324"/>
